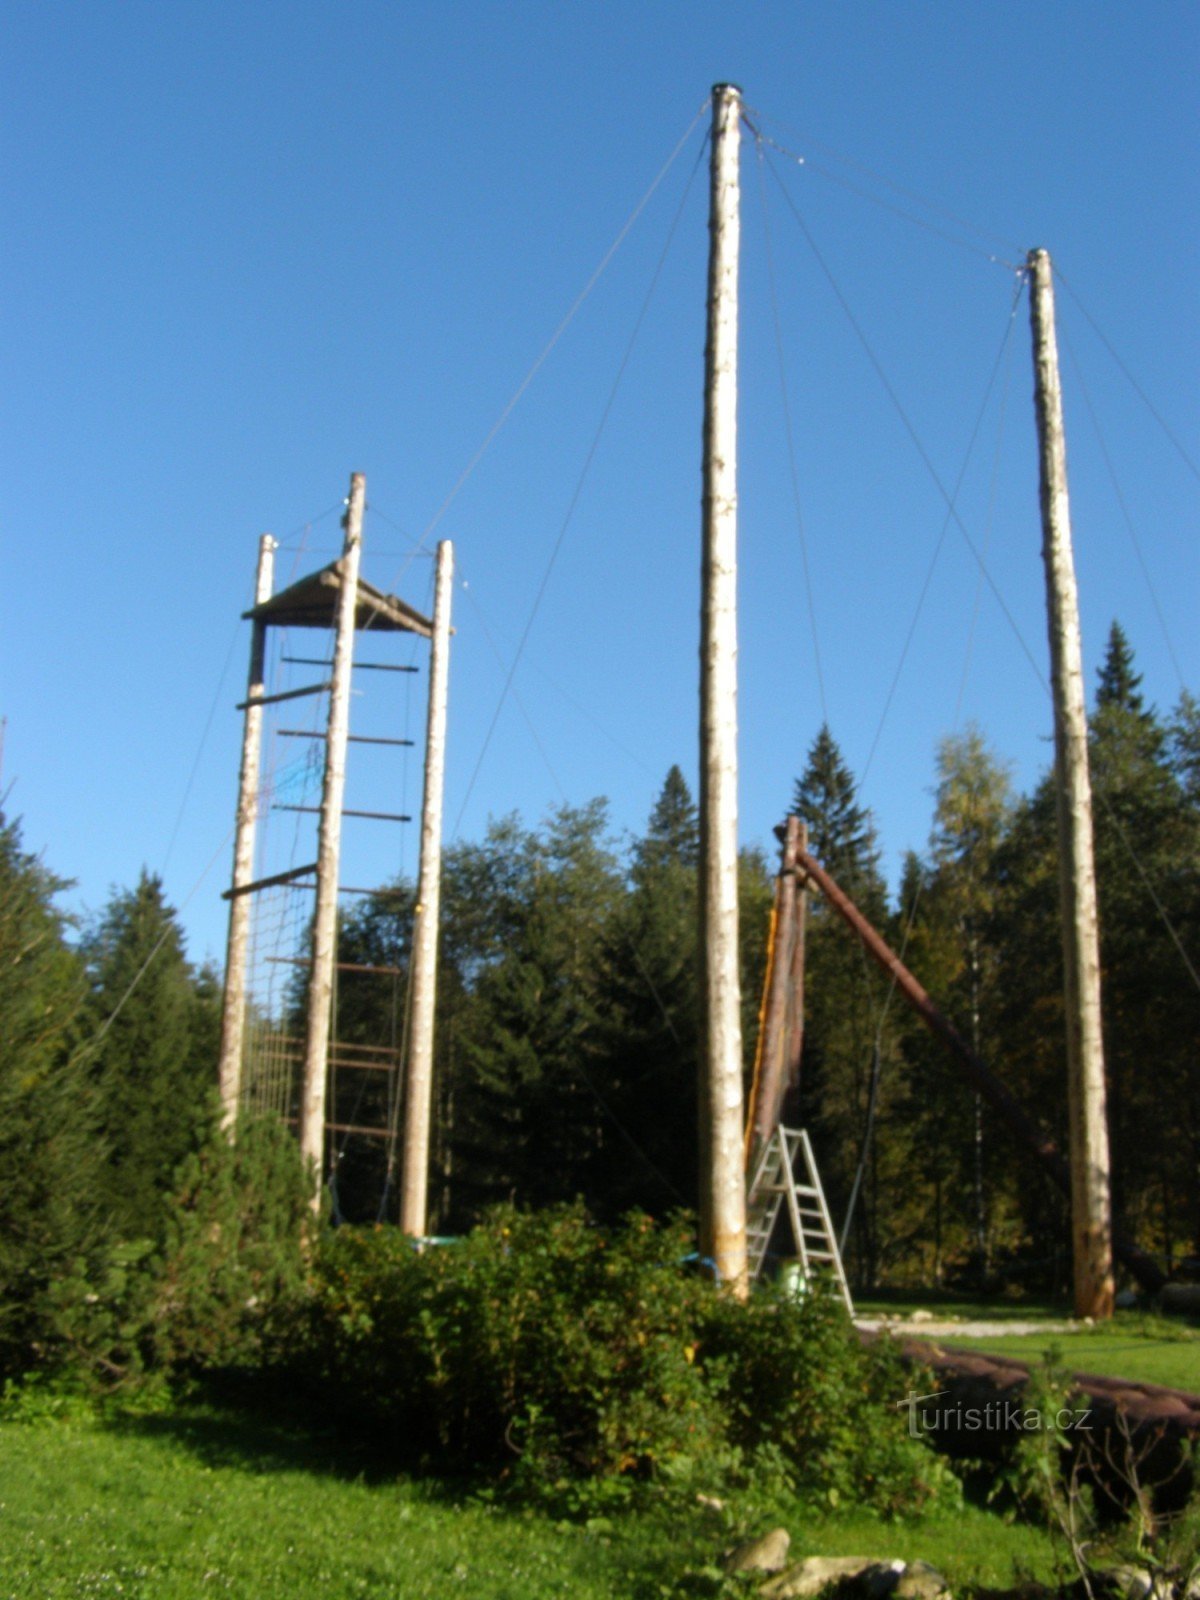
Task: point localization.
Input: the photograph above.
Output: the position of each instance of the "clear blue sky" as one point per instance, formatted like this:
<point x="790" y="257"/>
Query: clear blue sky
<point x="250" y="248"/>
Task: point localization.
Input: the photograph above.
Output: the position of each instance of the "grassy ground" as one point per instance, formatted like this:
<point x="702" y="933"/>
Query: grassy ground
<point x="203" y="1501"/>
<point x="1147" y="1349"/>
<point x="1136" y="1345"/>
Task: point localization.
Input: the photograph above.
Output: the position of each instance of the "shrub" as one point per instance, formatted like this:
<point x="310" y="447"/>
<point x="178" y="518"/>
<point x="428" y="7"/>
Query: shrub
<point x="801" y="1388"/>
<point x="556" y="1354"/>
<point x="536" y="1339"/>
<point x="233" y="1257"/>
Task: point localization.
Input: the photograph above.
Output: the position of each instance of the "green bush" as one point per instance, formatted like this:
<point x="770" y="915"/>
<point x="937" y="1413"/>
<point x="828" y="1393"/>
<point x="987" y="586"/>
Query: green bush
<point x="556" y="1355"/>
<point x="536" y="1340"/>
<point x="801" y="1387"/>
<point x="233" y="1255"/>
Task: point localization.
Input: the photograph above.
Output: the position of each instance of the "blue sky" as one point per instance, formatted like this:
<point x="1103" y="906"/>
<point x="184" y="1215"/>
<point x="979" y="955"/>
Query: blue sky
<point x="250" y="248"/>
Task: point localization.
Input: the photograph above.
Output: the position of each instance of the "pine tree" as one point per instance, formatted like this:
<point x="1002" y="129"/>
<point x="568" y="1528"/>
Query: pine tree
<point x="648" y="1019"/>
<point x="1147" y="855"/>
<point x="154" y="1086"/>
<point x="530" y="1117"/>
<point x="1119" y="684"/>
<point x="845" y="994"/>
<point x="952" y="947"/>
<point x="841" y="833"/>
<point x="51" y="1215"/>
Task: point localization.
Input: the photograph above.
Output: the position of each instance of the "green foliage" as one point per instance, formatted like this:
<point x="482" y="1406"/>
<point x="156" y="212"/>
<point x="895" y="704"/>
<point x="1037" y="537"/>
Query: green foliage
<point x="846" y="1012"/>
<point x="536" y="1340"/>
<point x="580" y="1364"/>
<point x="54" y="1233"/>
<point x="802" y="1390"/>
<point x="961" y="1211"/>
<point x="529" y="1119"/>
<point x="150" y="1060"/>
<point x="1100" y="1491"/>
<point x="233" y="1256"/>
<point x="648" y="1021"/>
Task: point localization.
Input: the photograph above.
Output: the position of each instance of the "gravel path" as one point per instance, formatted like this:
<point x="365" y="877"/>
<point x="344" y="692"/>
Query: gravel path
<point x="959" y="1328"/>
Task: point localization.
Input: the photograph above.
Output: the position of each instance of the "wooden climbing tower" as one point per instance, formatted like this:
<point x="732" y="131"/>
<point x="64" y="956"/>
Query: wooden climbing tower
<point x="338" y="600"/>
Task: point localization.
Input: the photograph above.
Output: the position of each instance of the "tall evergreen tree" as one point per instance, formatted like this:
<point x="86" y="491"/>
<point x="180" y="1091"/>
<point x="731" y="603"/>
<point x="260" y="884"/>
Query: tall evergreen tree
<point x="1147" y="840"/>
<point x="529" y="1125"/>
<point x="1148" y="868"/>
<point x="841" y="833"/>
<point x="51" y="1212"/>
<point x="152" y="1030"/>
<point x="648" y="1019"/>
<point x="1119" y="685"/>
<point x="846" y="1019"/>
<point x="952" y="947"/>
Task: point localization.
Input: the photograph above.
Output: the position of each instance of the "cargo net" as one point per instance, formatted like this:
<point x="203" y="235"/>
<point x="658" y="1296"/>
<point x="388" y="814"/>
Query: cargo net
<point x="278" y="946"/>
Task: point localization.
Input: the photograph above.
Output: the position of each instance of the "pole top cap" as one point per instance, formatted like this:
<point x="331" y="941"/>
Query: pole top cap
<point x="721" y="89"/>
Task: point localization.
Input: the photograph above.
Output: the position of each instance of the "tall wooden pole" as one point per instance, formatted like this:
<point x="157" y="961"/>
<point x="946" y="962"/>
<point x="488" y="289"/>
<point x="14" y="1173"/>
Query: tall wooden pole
<point x="418" y="1088"/>
<point x="772" y="1082"/>
<point x="722" y="1178"/>
<point x="233" y="1010"/>
<point x="1091" y="1219"/>
<point x="324" y="936"/>
<point x="795" y="1022"/>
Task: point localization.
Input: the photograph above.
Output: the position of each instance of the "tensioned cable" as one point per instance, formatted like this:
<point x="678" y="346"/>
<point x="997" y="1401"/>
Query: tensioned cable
<point x="1164" y="915"/>
<point x="304" y="528"/>
<point x="1006" y="348"/>
<point x="400" y="529"/>
<point x="212" y="712"/>
<point x="624" y="1131"/>
<point x="889" y="183"/>
<point x="1124" y="505"/>
<point x="658" y="1000"/>
<point x="882" y="1010"/>
<point x="923" y="878"/>
<point x="520" y="704"/>
<point x="1134" y="384"/>
<point x="579" y="706"/>
<point x="788" y="432"/>
<point x="993" y="490"/>
<point x="84" y="1049"/>
<point x="554" y="682"/>
<point x="911" y="430"/>
<point x="583" y="476"/>
<point x="885" y="205"/>
<point x="950" y="515"/>
<point x="562" y="327"/>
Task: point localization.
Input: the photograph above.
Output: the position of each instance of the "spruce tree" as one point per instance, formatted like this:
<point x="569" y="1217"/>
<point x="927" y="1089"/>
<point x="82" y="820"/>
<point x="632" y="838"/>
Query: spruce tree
<point x="649" y="1018"/>
<point x="153" y="1083"/>
<point x="1119" y="685"/>
<point x="51" y="1212"/>
<point x="952" y="948"/>
<point x="845" y="1000"/>
<point x="1147" y="853"/>
<point x="529" y="1125"/>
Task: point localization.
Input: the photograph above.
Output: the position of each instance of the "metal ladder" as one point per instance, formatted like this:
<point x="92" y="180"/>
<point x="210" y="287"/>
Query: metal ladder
<point x="775" y="1180"/>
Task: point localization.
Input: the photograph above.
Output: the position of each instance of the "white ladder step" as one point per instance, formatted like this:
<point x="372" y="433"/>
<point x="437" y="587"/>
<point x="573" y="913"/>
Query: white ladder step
<point x="775" y="1180"/>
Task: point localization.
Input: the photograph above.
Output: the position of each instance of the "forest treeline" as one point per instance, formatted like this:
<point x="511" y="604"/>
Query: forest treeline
<point x="568" y="1020"/>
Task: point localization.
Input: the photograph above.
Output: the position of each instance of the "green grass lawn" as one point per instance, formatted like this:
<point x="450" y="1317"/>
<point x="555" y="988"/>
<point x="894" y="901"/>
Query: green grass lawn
<point x="1147" y="1349"/>
<point x="201" y="1501"/>
<point x="1136" y="1345"/>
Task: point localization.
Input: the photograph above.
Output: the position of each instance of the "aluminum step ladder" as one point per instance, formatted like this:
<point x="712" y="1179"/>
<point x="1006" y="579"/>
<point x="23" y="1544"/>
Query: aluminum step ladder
<point x="776" y="1180"/>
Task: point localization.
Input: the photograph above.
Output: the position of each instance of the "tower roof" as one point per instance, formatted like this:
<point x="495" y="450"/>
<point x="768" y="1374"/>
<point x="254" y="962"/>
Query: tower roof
<point x="312" y="603"/>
